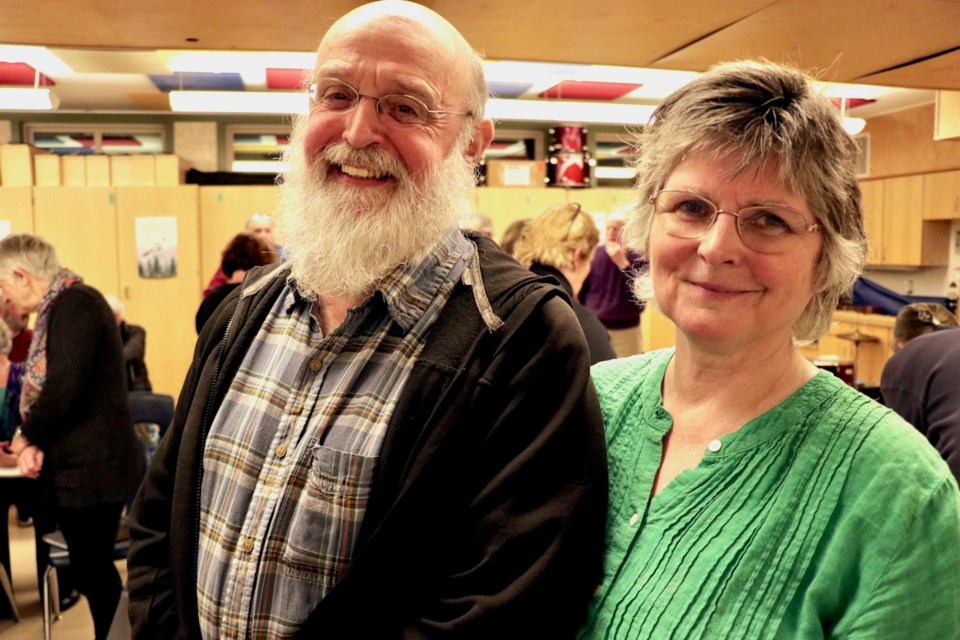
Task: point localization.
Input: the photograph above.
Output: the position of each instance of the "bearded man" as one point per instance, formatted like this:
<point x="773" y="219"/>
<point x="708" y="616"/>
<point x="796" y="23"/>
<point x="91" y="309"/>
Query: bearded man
<point x="394" y="434"/>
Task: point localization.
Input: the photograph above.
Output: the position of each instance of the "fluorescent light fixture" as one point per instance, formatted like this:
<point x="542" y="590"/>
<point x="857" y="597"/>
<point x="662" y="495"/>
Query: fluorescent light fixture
<point x="14" y="99"/>
<point x="568" y="111"/>
<point x="614" y="173"/>
<point x="40" y="58"/>
<point x="853" y="126"/>
<point x="272" y="102"/>
<point x="259" y="166"/>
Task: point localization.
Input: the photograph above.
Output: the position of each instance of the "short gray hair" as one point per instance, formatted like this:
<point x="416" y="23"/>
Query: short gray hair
<point x="760" y="111"/>
<point x="29" y="252"/>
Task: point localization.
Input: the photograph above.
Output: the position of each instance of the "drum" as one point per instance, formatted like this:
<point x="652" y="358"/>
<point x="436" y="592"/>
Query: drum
<point x="843" y="368"/>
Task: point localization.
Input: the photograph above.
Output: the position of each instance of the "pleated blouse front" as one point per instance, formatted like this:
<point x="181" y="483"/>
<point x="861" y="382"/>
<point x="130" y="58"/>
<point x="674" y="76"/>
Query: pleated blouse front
<point x="811" y="520"/>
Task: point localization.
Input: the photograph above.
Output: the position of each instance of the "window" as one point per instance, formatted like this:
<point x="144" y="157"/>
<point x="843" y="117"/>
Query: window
<point x="256" y="148"/>
<point x="612" y="156"/>
<point x="85" y="139"/>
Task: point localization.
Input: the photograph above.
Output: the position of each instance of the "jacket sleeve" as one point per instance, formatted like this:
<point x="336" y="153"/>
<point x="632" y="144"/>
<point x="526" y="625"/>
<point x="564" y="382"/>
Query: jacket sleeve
<point x="525" y="549"/>
<point x="153" y="606"/>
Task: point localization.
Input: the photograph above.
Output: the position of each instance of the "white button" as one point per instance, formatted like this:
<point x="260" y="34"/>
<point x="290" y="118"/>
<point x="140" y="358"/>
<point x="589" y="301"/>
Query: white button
<point x="633" y="519"/>
<point x="714" y="445"/>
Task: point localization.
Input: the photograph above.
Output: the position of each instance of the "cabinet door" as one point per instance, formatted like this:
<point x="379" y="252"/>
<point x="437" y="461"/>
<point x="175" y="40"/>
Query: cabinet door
<point x="603" y="201"/>
<point x="872" y="200"/>
<point x="506" y="204"/>
<point x="16" y="208"/>
<point x="81" y="223"/>
<point x="165" y="307"/>
<point x="224" y="212"/>
<point x="902" y="222"/>
<point x="941" y="196"/>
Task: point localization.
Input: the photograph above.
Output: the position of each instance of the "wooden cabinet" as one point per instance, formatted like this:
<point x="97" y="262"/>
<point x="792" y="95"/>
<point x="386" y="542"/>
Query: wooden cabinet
<point x="941" y="196"/>
<point x="81" y="223"/>
<point x="896" y="230"/>
<point x="165" y="307"/>
<point x="224" y="211"/>
<point x="16" y="209"/>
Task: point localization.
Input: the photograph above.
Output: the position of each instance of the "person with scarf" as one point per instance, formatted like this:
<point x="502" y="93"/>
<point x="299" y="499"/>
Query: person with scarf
<point x="77" y="436"/>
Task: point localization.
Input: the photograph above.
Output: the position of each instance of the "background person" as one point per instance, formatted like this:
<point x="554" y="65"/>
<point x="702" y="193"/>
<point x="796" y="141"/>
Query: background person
<point x="918" y="319"/>
<point x="752" y="495"/>
<point x="480" y="223"/>
<point x="243" y="253"/>
<point x="608" y="290"/>
<point x="133" y="337"/>
<point x="261" y="226"/>
<point x="19" y="323"/>
<point x="559" y="242"/>
<point x="350" y="456"/>
<point x="512" y="234"/>
<point x="77" y="436"/>
<point x="919" y="382"/>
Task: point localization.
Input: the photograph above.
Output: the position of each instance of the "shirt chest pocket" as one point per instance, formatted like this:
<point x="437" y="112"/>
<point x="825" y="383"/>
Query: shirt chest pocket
<point x="326" y="519"/>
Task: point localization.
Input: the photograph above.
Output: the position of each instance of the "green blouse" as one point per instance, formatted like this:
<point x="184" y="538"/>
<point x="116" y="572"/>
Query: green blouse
<point x="826" y="517"/>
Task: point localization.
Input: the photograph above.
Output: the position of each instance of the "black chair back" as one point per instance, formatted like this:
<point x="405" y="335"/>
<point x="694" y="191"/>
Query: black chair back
<point x="156" y="408"/>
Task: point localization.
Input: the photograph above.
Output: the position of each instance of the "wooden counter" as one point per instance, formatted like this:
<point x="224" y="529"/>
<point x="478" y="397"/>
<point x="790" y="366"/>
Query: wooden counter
<point x="869" y="357"/>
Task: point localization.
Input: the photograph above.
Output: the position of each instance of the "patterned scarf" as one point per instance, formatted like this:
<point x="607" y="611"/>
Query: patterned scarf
<point x="35" y="373"/>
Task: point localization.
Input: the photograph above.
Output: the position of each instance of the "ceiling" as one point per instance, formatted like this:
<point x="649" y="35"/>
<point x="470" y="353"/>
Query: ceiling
<point x="114" y="46"/>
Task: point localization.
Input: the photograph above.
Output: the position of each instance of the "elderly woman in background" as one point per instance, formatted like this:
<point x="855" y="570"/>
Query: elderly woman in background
<point x="751" y="495"/>
<point x="77" y="435"/>
<point x="560" y="242"/>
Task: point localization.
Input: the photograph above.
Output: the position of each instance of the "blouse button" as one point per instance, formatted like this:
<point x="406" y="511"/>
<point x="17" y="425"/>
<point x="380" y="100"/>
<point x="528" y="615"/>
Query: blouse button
<point x="281" y="450"/>
<point x="315" y="365"/>
<point x="248" y="545"/>
<point x="634" y="519"/>
<point x="714" y="445"/>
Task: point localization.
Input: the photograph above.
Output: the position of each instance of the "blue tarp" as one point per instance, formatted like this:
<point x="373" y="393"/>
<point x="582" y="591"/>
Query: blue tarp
<point x="867" y="292"/>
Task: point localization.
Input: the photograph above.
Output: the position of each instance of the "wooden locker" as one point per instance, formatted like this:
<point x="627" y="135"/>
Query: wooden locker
<point x="165" y="306"/>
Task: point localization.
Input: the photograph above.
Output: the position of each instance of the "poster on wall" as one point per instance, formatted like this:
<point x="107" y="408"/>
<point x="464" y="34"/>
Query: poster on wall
<point x="4" y="228"/>
<point x="156" y="241"/>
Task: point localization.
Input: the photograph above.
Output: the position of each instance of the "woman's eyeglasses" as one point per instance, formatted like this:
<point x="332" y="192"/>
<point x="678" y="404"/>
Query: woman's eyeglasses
<point x="768" y="229"/>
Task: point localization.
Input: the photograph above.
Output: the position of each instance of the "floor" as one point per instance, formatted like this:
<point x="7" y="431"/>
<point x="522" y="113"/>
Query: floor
<point x="76" y="623"/>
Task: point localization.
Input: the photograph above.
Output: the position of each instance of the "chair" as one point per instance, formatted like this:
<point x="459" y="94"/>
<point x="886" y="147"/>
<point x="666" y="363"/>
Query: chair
<point x="146" y="408"/>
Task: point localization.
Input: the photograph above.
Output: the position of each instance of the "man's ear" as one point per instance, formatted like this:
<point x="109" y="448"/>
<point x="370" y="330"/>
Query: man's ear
<point x="482" y="137"/>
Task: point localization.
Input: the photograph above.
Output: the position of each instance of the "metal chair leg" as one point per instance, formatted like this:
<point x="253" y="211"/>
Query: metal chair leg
<point x="51" y="601"/>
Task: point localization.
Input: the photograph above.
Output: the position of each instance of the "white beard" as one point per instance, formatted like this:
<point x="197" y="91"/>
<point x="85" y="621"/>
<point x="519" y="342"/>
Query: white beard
<point x="341" y="241"/>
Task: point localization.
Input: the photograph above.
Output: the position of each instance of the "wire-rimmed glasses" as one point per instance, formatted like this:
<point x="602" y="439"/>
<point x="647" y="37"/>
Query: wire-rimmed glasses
<point x="330" y="94"/>
<point x="764" y="228"/>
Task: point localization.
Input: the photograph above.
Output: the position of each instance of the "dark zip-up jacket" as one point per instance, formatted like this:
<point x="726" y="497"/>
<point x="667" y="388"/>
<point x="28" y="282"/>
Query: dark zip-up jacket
<point x="486" y="518"/>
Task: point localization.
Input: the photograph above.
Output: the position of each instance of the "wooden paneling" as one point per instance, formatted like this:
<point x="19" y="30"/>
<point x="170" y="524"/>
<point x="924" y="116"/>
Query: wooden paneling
<point x="941" y="196"/>
<point x="165" y="307"/>
<point x="81" y="223"/>
<point x="506" y="204"/>
<point x="902" y="143"/>
<point x="223" y="214"/>
<point x="16" y="206"/>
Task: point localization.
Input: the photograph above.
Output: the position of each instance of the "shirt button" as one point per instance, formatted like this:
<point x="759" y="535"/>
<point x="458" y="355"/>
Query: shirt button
<point x="281" y="450"/>
<point x="714" y="445"/>
<point x="315" y="365"/>
<point x="248" y="545"/>
<point x="634" y="519"/>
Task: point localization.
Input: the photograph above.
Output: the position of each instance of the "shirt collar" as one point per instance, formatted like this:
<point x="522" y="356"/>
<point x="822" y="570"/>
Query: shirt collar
<point x="409" y="289"/>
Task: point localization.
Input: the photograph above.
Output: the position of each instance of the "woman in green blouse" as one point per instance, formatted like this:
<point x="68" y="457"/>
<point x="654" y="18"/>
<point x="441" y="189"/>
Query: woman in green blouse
<point x="751" y="494"/>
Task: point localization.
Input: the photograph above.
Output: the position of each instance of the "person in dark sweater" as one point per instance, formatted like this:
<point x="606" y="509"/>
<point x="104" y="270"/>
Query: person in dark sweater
<point x="608" y="292"/>
<point x="77" y="435"/>
<point x="244" y="252"/>
<point x="560" y="242"/>
<point x="919" y="382"/>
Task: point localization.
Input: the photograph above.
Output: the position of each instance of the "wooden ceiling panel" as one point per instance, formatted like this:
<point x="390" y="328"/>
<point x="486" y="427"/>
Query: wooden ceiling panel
<point x="616" y="32"/>
<point x="939" y="72"/>
<point x="844" y="40"/>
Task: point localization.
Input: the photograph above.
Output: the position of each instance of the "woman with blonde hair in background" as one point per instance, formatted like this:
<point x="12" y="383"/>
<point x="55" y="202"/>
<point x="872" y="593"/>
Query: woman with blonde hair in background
<point x="559" y="243"/>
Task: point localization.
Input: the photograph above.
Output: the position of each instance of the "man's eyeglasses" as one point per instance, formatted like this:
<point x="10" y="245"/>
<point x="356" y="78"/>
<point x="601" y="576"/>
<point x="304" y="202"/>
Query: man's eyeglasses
<point x="330" y="94"/>
<point x="768" y="229"/>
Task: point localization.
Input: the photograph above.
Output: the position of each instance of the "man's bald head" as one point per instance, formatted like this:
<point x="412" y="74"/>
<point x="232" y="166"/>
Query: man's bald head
<point x="425" y="23"/>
